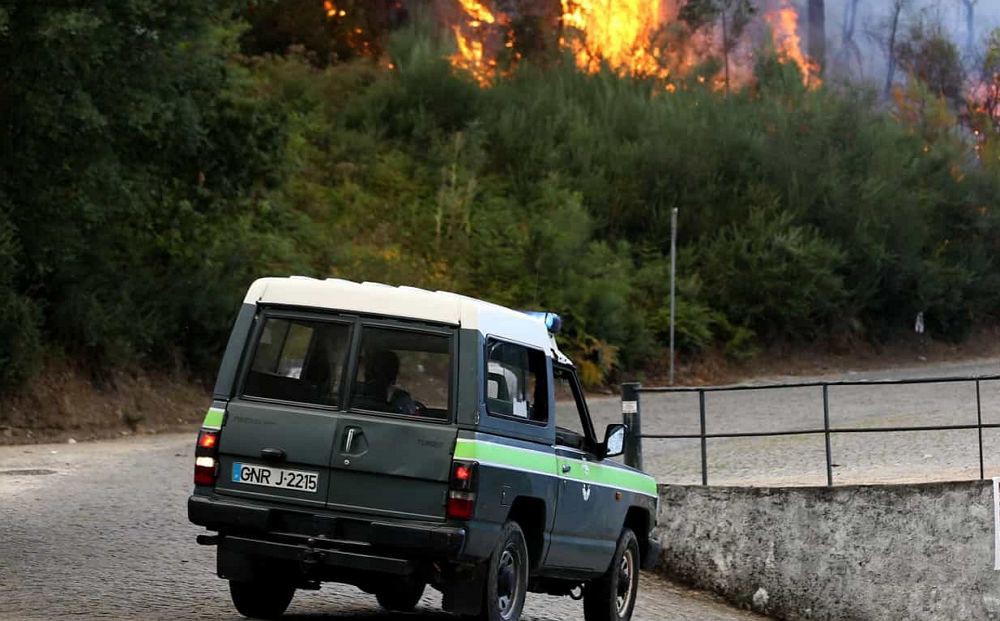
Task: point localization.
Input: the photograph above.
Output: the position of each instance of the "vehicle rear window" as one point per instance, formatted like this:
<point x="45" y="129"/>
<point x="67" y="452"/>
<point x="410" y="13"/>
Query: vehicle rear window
<point x="299" y="360"/>
<point x="403" y="372"/>
<point x="515" y="382"/>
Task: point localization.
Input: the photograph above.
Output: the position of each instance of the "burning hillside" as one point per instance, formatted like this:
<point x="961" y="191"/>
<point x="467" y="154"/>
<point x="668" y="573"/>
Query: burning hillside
<point x="632" y="37"/>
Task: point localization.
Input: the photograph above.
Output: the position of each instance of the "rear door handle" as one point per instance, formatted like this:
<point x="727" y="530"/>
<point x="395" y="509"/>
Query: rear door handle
<point x="350" y="439"/>
<point x="272" y="454"/>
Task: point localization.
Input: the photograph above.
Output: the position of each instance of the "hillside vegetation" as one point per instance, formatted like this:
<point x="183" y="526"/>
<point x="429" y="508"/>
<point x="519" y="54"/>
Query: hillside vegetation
<point x="149" y="171"/>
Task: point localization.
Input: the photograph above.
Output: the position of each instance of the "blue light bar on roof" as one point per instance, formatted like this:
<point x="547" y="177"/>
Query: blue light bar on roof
<point x="552" y="321"/>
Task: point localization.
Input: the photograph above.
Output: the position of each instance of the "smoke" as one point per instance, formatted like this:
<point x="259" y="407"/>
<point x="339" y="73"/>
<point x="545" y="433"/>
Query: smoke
<point x="862" y="54"/>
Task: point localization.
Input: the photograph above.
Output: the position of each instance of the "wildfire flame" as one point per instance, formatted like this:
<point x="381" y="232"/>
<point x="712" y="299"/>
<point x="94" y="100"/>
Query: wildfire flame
<point x="470" y="39"/>
<point x="624" y="35"/>
<point x="332" y="11"/>
<point x="617" y="32"/>
<point x="477" y="12"/>
<point x="784" y="24"/>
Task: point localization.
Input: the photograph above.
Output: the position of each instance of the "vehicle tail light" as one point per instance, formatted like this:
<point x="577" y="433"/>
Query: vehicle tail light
<point x="206" y="453"/>
<point x="462" y="490"/>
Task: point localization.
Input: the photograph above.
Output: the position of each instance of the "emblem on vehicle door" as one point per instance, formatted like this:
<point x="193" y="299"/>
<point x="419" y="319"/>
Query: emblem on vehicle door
<point x="586" y="493"/>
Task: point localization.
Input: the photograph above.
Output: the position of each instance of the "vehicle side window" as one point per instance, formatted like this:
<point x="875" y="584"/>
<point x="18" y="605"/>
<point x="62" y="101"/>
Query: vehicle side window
<point x="403" y="372"/>
<point x="515" y="382"/>
<point x="298" y="360"/>
<point x="572" y="421"/>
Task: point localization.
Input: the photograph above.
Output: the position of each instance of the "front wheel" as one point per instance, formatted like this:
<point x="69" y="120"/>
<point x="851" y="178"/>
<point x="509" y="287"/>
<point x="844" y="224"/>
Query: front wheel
<point x="507" y="578"/>
<point x="261" y="600"/>
<point x="612" y="596"/>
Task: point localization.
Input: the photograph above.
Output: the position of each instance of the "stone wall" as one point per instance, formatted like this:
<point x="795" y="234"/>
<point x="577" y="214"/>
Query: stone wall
<point x="846" y="553"/>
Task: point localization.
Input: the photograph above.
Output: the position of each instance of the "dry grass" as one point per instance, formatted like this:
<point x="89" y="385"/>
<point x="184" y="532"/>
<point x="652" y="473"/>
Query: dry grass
<point x="828" y="358"/>
<point x="63" y="403"/>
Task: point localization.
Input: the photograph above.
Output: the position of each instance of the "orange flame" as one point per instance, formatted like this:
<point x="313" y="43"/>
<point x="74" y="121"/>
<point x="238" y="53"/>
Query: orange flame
<point x="477" y="12"/>
<point x="332" y="10"/>
<point x="618" y="32"/>
<point x="471" y="42"/>
<point x="629" y="37"/>
<point x="784" y="24"/>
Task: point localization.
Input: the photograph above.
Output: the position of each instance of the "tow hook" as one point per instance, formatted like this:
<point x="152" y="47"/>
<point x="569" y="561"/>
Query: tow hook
<point x="312" y="557"/>
<point x="207" y="540"/>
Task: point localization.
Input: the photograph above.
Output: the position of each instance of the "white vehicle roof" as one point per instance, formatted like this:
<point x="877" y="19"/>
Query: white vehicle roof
<point x="408" y="303"/>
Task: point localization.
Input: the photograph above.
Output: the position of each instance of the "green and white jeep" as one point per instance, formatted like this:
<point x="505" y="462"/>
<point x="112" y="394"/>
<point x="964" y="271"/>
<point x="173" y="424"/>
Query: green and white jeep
<point x="394" y="438"/>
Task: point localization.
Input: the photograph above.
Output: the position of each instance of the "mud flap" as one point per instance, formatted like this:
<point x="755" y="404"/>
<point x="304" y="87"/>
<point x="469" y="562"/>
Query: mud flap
<point x="235" y="566"/>
<point x="464" y="594"/>
<point x="241" y="566"/>
<point x="651" y="559"/>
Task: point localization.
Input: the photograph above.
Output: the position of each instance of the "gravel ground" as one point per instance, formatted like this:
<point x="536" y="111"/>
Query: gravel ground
<point x="800" y="460"/>
<point x="99" y="531"/>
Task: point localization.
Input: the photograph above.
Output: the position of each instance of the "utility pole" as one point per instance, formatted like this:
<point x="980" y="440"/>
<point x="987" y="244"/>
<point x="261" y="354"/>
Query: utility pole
<point x="673" y="287"/>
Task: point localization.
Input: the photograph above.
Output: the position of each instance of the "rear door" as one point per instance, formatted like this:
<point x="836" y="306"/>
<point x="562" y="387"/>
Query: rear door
<point x="393" y="449"/>
<point x="280" y="429"/>
<point x="355" y="413"/>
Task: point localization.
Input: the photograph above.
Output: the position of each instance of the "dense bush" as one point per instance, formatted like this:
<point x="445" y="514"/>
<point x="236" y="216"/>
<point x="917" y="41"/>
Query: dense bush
<point x="804" y="214"/>
<point x="20" y="341"/>
<point x="130" y="148"/>
<point x="161" y="172"/>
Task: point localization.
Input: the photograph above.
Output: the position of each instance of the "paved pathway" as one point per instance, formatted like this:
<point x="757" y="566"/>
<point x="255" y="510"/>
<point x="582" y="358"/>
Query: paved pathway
<point x="99" y="531"/>
<point x="801" y="460"/>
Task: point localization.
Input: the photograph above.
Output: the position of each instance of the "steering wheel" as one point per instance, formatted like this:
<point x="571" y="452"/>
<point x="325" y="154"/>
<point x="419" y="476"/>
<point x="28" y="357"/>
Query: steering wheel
<point x="405" y="404"/>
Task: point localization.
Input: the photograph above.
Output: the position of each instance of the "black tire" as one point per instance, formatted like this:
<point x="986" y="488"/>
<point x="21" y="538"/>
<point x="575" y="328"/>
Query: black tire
<point x="507" y="576"/>
<point x="400" y="597"/>
<point x="612" y="596"/>
<point x="261" y="600"/>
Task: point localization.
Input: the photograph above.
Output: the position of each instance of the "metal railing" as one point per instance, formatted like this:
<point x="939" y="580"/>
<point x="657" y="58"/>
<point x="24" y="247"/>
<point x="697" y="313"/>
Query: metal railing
<point x="632" y="412"/>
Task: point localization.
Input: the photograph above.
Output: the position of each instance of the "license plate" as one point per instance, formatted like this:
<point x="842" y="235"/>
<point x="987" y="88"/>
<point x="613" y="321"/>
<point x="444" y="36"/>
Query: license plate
<point x="252" y="474"/>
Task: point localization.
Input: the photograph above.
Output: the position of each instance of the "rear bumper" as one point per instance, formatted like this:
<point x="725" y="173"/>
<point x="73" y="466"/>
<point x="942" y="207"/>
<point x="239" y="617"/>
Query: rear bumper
<point x="301" y="535"/>
<point x="312" y="558"/>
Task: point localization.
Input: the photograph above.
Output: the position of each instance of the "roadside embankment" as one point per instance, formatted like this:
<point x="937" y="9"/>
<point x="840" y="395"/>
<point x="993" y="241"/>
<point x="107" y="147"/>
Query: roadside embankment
<point x="854" y="553"/>
<point x="63" y="403"/>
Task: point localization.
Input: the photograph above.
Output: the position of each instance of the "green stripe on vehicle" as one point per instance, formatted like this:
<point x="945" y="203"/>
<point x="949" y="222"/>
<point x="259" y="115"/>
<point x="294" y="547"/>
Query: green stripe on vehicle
<point x="213" y="418"/>
<point x="540" y="462"/>
<point x="610" y="476"/>
<point x="502" y="455"/>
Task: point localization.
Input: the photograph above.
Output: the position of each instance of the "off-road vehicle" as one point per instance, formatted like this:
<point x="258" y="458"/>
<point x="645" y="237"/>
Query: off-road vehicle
<point x="393" y="438"/>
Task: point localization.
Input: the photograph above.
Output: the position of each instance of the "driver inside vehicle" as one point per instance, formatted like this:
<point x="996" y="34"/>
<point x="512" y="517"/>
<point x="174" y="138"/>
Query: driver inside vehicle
<point x="379" y="392"/>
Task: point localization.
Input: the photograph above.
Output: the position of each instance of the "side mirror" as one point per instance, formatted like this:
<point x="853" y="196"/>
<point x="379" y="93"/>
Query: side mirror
<point x="614" y="441"/>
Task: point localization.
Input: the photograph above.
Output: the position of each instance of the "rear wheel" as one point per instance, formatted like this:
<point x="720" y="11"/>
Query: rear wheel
<point x="612" y="596"/>
<point x="261" y="600"/>
<point x="401" y="597"/>
<point x="507" y="578"/>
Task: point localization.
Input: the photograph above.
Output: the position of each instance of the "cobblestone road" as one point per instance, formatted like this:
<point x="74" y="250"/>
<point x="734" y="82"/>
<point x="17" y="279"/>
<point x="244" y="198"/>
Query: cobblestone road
<point x="801" y="460"/>
<point x="99" y="531"/>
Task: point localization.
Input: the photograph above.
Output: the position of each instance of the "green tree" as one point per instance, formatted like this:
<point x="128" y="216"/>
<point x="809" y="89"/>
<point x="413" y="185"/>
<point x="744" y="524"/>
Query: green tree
<point x="129" y="148"/>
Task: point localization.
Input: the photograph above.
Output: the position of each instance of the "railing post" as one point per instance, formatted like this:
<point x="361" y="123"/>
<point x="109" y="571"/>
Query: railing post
<point x="704" y="440"/>
<point x="632" y="417"/>
<point x="979" y="421"/>
<point x="826" y="434"/>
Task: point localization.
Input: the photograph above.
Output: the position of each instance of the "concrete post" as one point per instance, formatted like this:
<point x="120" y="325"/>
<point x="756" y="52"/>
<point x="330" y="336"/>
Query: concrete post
<point x="632" y="418"/>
